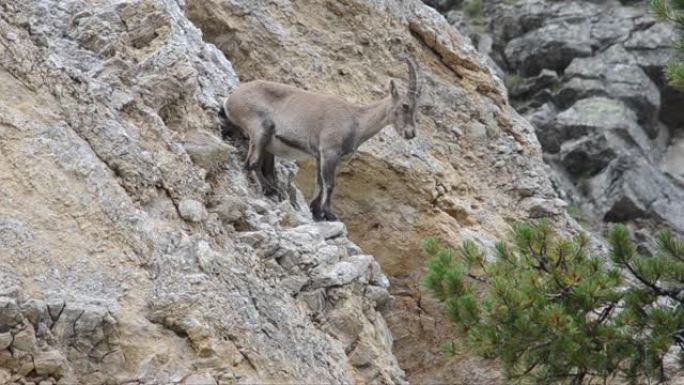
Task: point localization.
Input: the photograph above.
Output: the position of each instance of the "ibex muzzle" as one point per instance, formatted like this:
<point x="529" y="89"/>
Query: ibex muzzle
<point x="291" y="123"/>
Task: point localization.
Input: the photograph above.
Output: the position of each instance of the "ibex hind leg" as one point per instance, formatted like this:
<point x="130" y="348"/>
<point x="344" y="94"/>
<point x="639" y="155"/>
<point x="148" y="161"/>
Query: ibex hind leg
<point x="259" y="160"/>
<point x="326" y="165"/>
<point x="269" y="172"/>
<point x="328" y="170"/>
<point x="317" y="203"/>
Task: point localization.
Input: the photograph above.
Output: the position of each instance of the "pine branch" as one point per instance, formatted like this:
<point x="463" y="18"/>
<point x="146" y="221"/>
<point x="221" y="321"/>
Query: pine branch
<point x="672" y="293"/>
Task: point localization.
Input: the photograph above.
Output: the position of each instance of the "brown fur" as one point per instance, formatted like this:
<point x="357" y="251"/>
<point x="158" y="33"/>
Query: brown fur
<point x="289" y="122"/>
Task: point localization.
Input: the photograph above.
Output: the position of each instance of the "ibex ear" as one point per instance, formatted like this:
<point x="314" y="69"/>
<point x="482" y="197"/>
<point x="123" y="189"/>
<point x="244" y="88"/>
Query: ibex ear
<point x="393" y="90"/>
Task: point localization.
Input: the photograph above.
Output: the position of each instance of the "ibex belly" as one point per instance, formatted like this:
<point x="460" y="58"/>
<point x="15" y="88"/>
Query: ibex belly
<point x="288" y="150"/>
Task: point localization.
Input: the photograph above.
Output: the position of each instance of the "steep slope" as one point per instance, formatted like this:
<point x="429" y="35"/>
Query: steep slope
<point x="133" y="249"/>
<point x="475" y="167"/>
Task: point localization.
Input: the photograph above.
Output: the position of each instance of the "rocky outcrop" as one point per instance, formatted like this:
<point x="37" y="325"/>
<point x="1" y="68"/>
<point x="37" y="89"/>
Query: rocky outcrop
<point x="609" y="110"/>
<point x="588" y="76"/>
<point x="474" y="167"/>
<point x="133" y="249"/>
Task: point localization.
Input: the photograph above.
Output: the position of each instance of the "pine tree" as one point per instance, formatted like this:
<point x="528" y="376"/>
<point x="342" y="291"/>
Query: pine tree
<point x="673" y="11"/>
<point x="553" y="313"/>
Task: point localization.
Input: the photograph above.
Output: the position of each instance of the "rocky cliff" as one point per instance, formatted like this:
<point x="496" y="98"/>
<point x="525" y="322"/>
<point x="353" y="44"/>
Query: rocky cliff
<point x="589" y="76"/>
<point x="133" y="247"/>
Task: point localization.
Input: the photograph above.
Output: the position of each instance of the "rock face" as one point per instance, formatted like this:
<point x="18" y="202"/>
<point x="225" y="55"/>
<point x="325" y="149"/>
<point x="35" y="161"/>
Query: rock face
<point x="588" y="76"/>
<point x="613" y="113"/>
<point x="133" y="249"/>
<point x="474" y="167"/>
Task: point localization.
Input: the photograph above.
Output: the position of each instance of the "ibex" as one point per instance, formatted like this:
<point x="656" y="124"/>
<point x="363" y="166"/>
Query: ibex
<point x="296" y="124"/>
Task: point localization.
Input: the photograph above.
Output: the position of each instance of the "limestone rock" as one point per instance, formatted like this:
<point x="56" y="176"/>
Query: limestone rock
<point x="610" y="100"/>
<point x="192" y="210"/>
<point x="199" y="379"/>
<point x="388" y="194"/>
<point x="99" y="158"/>
<point x="207" y="151"/>
<point x="553" y="47"/>
<point x="5" y="340"/>
<point x="636" y="190"/>
<point x="343" y="272"/>
<point x="586" y="156"/>
<point x="10" y="315"/>
<point x="51" y="363"/>
<point x="25" y="339"/>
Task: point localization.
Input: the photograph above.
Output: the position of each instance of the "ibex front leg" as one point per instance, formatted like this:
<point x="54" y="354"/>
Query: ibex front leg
<point x="321" y="206"/>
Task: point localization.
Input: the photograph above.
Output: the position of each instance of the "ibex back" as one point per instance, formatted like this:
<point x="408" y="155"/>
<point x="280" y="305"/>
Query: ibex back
<point x="291" y="123"/>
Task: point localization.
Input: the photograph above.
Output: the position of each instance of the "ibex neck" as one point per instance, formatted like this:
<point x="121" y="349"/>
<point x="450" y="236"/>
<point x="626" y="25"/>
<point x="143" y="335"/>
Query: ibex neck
<point x="374" y="117"/>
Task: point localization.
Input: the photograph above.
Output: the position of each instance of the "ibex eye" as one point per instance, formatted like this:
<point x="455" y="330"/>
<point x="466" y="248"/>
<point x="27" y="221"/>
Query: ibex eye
<point x="405" y="106"/>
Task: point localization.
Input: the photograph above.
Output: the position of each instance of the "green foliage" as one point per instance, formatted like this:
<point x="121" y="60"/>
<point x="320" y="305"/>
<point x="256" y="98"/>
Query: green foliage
<point x="577" y="213"/>
<point x="673" y="11"/>
<point x="553" y="313"/>
<point x="514" y="80"/>
<point x="473" y="8"/>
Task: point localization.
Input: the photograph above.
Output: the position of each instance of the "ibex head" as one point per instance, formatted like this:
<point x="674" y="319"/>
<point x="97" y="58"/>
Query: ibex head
<point x="404" y="108"/>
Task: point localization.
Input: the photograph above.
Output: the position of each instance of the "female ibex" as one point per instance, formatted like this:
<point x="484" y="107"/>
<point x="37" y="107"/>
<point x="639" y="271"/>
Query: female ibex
<point x="295" y="124"/>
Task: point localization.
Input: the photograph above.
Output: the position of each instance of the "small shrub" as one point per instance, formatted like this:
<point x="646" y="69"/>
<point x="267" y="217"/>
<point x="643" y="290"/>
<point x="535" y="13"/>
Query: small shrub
<point x="554" y="313"/>
<point x="514" y="80"/>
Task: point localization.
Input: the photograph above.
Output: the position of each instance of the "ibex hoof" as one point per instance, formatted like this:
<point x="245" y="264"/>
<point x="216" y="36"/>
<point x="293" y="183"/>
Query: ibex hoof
<point x="318" y="215"/>
<point x="329" y="216"/>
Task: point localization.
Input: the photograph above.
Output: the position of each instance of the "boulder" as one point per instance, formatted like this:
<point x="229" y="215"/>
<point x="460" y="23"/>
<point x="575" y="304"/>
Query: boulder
<point x="632" y="188"/>
<point x="592" y="116"/>
<point x="586" y="156"/>
<point x="552" y="46"/>
<point x="50" y="363"/>
<point x="615" y="74"/>
<point x="10" y="314"/>
<point x="192" y="210"/>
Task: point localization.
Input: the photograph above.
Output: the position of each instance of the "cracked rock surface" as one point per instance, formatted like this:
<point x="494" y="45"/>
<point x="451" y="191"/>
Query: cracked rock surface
<point x="608" y="122"/>
<point x="474" y="168"/>
<point x="133" y="249"/>
<point x="589" y="76"/>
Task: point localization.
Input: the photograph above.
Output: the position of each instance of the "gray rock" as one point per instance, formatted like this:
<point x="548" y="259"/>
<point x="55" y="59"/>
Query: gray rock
<point x="10" y="314"/>
<point x="586" y="156"/>
<point x="35" y="311"/>
<point x="528" y="87"/>
<point x="652" y="47"/>
<point x="192" y="210"/>
<point x="552" y="46"/>
<point x="5" y="340"/>
<point x="592" y="116"/>
<point x="50" y="363"/>
<point x="207" y="151"/>
<point x="230" y="209"/>
<point x="314" y="300"/>
<point x="380" y="296"/>
<point x="199" y="379"/>
<point x="611" y="100"/>
<point x="343" y="272"/>
<point x="632" y="188"/>
<point x="331" y="229"/>
<point x="542" y="208"/>
<point x="5" y="376"/>
<point x="673" y="159"/>
<point x="25" y="339"/>
<point x="614" y="73"/>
